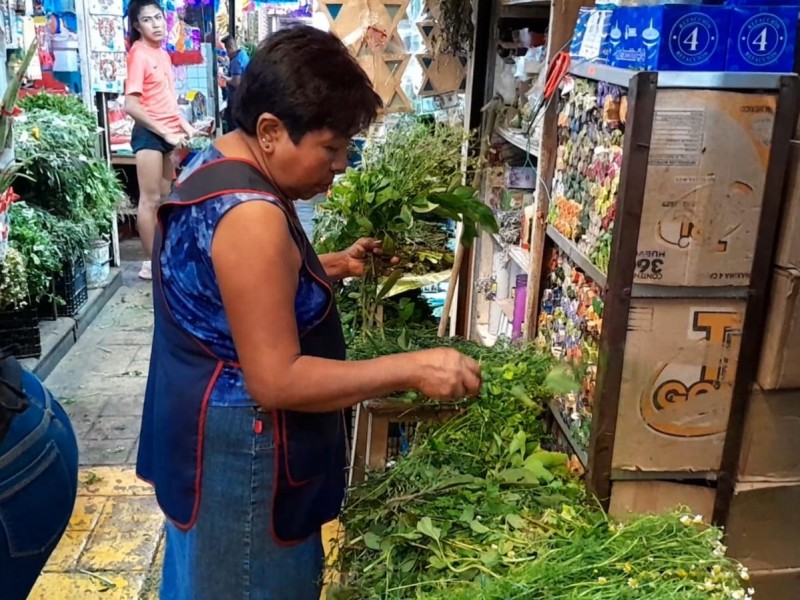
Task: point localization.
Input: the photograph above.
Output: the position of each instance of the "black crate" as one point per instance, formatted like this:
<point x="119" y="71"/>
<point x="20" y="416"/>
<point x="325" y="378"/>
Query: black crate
<point x="69" y="291"/>
<point x="47" y="309"/>
<point x="19" y="329"/>
<point x="72" y="288"/>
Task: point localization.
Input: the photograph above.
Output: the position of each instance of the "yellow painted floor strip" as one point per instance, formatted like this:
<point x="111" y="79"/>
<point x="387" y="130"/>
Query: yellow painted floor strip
<point x="113" y="547"/>
<point x="110" y="545"/>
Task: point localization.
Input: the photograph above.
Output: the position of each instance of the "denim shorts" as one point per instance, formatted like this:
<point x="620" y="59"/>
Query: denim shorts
<point x="230" y="553"/>
<point x="38" y="485"/>
<point x="144" y="139"/>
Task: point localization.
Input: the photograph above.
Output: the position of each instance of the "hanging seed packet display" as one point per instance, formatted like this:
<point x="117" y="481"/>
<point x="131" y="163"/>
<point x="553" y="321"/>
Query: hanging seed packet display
<point x="570" y="321"/>
<point x="591" y="126"/>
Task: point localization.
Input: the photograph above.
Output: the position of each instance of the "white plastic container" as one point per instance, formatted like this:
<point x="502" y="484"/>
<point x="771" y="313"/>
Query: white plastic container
<point x="98" y="264"/>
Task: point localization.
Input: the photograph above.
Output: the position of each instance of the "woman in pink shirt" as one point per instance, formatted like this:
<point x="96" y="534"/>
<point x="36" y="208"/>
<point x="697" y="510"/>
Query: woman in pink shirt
<point x="151" y="100"/>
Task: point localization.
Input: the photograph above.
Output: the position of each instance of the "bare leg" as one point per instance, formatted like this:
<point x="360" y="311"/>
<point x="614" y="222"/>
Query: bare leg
<point x="150" y="173"/>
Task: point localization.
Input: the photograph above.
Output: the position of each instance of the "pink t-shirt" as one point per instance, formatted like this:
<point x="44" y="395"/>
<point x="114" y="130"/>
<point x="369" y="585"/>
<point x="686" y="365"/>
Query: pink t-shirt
<point x="150" y="77"/>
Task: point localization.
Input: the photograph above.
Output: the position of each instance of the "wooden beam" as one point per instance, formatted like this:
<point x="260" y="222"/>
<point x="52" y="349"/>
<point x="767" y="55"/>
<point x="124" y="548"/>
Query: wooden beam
<point x="480" y="83"/>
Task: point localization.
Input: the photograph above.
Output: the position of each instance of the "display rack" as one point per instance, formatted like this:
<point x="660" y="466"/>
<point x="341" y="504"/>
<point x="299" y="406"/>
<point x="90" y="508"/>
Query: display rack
<point x="497" y="265"/>
<point x="667" y="334"/>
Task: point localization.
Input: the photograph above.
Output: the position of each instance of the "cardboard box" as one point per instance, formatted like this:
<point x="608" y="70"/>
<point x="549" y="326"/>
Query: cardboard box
<point x="781" y="584"/>
<point x="762" y="38"/>
<point x="702" y="200"/>
<point x="669" y="38"/>
<point x="763" y="526"/>
<point x="677" y="382"/>
<point x="788" y="254"/>
<point x="780" y="352"/>
<point x="630" y="498"/>
<point x="771" y="441"/>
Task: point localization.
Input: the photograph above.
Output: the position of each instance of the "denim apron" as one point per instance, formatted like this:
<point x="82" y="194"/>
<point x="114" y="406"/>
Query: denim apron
<point x="310" y="456"/>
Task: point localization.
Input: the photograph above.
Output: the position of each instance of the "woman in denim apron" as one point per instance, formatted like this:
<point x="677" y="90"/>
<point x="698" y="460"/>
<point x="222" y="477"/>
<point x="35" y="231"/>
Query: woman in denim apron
<point x="244" y="429"/>
<point x="38" y="477"/>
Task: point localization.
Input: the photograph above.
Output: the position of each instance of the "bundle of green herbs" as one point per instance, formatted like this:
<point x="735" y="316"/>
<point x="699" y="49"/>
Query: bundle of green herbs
<point x="406" y="189"/>
<point x="478" y="509"/>
<point x="407" y="185"/>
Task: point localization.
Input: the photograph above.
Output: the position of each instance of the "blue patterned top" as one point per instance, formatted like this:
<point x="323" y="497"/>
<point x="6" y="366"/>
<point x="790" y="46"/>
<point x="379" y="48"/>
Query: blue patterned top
<point x="191" y="290"/>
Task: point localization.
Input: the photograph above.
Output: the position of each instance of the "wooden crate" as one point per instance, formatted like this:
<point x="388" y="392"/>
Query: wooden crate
<point x="372" y="443"/>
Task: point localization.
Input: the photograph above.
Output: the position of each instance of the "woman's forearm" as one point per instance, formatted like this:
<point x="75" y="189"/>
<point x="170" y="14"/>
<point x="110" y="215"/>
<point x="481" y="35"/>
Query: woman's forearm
<point x="335" y="265"/>
<point x="138" y="114"/>
<point x="314" y="384"/>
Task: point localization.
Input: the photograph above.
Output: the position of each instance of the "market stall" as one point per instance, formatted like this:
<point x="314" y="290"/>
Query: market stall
<point x="657" y="302"/>
<point x="193" y="47"/>
<point x="57" y="212"/>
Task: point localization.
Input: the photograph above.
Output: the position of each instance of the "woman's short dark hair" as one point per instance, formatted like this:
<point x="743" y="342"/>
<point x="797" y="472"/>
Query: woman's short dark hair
<point x="308" y="79"/>
<point x="134" y="8"/>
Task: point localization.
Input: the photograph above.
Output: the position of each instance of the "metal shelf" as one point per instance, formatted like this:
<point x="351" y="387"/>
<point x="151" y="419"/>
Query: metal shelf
<point x="567" y="434"/>
<point x="701" y="80"/>
<point x="517" y="137"/>
<point x="521" y="257"/>
<point x="581" y="261"/>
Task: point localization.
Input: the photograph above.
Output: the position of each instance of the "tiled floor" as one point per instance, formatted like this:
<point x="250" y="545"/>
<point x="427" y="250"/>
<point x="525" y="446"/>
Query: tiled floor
<point x="113" y="546"/>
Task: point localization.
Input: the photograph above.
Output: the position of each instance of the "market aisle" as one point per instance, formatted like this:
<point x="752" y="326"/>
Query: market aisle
<point x="112" y="548"/>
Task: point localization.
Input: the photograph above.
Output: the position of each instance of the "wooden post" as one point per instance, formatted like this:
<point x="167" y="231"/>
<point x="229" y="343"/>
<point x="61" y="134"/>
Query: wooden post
<point x="563" y="16"/>
<point x="480" y="83"/>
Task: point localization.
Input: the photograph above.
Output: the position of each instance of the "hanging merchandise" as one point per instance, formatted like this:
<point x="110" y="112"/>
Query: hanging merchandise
<point x="107" y="70"/>
<point x="184" y="43"/>
<point x="107" y="65"/>
<point x="589" y="160"/>
<point x="106" y="34"/>
<point x="35" y="32"/>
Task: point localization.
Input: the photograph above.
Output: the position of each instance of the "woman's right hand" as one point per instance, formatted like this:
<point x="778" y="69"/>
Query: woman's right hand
<point x="446" y="374"/>
<point x="175" y="139"/>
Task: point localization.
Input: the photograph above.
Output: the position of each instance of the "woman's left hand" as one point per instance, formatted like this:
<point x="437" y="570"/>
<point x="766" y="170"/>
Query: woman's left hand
<point x="356" y="256"/>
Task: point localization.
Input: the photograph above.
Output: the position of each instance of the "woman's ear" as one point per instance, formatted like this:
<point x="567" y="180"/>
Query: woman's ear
<point x="270" y="131"/>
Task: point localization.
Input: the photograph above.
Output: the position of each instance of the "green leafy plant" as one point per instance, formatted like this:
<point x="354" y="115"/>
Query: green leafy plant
<point x="13" y="281"/>
<point x="64" y="177"/>
<point x="480" y="509"/>
<point x="62" y="104"/>
<point x="30" y="236"/>
<point x="11" y="95"/>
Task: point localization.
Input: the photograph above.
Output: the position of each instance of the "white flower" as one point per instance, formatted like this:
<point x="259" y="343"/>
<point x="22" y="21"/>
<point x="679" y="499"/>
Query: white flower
<point x="698" y="519"/>
<point x="737" y="595"/>
<point x="686" y="520"/>
<point x="744" y="574"/>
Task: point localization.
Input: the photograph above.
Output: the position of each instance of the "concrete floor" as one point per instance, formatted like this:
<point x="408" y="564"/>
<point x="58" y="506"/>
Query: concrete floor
<point x="114" y="543"/>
